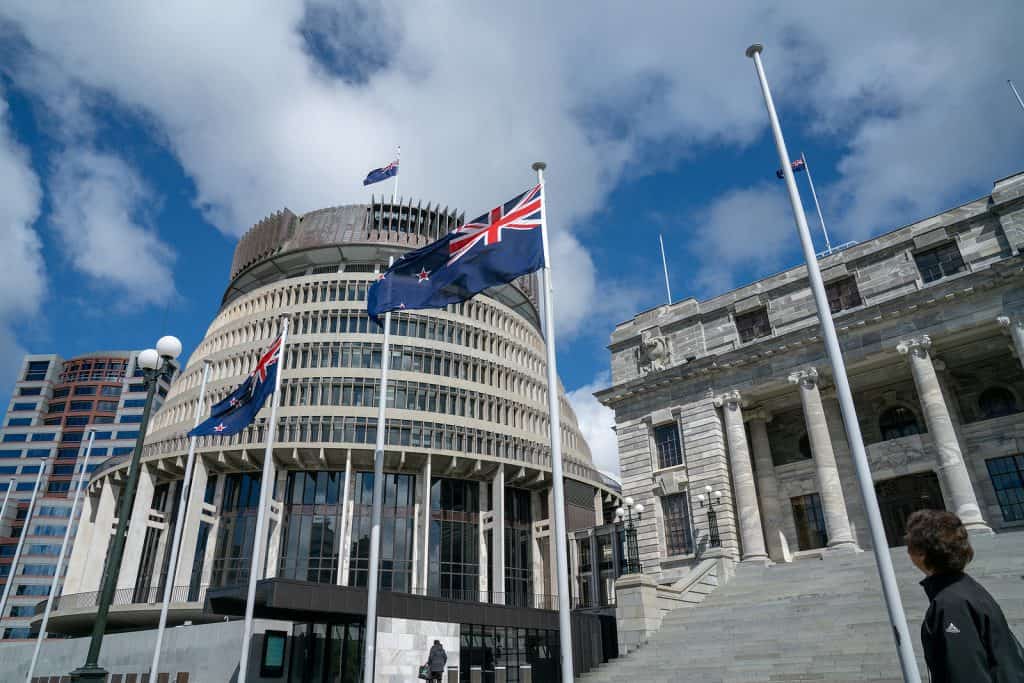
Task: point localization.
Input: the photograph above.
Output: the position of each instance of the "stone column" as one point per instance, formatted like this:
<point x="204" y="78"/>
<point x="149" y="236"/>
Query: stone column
<point x="830" y="488"/>
<point x="82" y="545"/>
<point x="214" y="533"/>
<point x="135" y="539"/>
<point x="497" y="578"/>
<point x="346" y="522"/>
<point x="951" y="468"/>
<point x="1015" y="328"/>
<point x="749" y="517"/>
<point x="768" y="486"/>
<point x="190" y="531"/>
<point x="424" y="530"/>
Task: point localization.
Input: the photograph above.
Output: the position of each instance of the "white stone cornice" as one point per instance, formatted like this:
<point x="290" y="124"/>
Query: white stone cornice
<point x="729" y="397"/>
<point x="916" y="345"/>
<point x="806" y="377"/>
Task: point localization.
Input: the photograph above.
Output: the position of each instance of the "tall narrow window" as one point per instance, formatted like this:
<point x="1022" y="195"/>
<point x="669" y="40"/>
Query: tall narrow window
<point x="518" y="542"/>
<point x="997" y="402"/>
<point x="670" y="450"/>
<point x="939" y="262"/>
<point x="678" y="535"/>
<point x="454" y="550"/>
<point x="1008" y="480"/>
<point x="753" y="325"/>
<point x="810" y="522"/>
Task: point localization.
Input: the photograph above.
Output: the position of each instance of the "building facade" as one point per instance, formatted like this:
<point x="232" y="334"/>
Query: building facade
<point x="467" y="495"/>
<point x="54" y="402"/>
<point x="734" y="395"/>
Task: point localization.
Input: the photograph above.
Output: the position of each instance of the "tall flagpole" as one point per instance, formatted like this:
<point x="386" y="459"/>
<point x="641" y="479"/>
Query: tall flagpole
<point x="821" y="218"/>
<point x="3" y="508"/>
<point x="890" y="590"/>
<point x="266" y="491"/>
<point x="179" y="524"/>
<point x="1016" y="94"/>
<point x="82" y="479"/>
<point x="25" y="532"/>
<point x="398" y="171"/>
<point x="664" y="265"/>
<point x="370" y="638"/>
<point x="555" y="421"/>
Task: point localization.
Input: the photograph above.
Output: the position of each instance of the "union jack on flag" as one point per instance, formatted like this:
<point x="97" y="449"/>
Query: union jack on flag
<point x="522" y="213"/>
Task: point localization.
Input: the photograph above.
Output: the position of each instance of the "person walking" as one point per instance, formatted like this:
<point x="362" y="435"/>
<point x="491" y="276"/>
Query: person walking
<point x="965" y="635"/>
<point x="436" y="661"/>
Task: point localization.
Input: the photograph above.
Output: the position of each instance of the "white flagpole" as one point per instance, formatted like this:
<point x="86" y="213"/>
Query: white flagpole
<point x="664" y="265"/>
<point x="398" y="171"/>
<point x="179" y="524"/>
<point x="25" y="532"/>
<point x="890" y="590"/>
<point x="370" y="638"/>
<point x="554" y="418"/>
<point x="821" y="218"/>
<point x="1016" y="94"/>
<point x="3" y="508"/>
<point x="266" y="491"/>
<point x="82" y="479"/>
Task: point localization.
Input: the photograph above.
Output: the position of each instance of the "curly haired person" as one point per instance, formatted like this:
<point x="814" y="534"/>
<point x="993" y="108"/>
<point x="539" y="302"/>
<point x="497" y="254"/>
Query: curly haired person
<point x="965" y="636"/>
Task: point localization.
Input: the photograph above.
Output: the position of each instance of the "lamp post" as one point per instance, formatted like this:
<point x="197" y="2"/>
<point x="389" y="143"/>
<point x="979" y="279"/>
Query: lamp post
<point x="156" y="364"/>
<point x="710" y="499"/>
<point x="624" y="516"/>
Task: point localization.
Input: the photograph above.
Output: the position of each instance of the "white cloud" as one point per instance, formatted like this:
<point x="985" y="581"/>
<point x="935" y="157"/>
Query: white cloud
<point x="596" y="422"/>
<point x="99" y="211"/>
<point x="23" y="275"/>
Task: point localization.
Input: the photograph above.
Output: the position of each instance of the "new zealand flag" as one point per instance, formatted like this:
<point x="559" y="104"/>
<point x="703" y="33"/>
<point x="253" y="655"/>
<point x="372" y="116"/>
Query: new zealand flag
<point x="496" y="248"/>
<point x="237" y="411"/>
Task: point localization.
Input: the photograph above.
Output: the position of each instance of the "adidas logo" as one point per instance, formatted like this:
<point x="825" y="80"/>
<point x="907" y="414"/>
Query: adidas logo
<point x="952" y="628"/>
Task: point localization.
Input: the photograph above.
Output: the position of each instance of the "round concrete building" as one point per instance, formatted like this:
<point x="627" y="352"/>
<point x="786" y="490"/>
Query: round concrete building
<point x="468" y="472"/>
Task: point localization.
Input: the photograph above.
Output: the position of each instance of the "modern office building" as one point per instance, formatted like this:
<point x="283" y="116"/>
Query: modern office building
<point x="734" y="395"/>
<point x="54" y="402"/>
<point x="466" y="540"/>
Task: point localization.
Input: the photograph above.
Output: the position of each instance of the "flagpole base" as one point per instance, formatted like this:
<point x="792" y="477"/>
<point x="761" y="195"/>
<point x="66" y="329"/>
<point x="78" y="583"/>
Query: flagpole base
<point x="89" y="673"/>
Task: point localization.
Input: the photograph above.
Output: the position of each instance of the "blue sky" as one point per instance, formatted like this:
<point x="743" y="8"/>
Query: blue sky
<point x="136" y="146"/>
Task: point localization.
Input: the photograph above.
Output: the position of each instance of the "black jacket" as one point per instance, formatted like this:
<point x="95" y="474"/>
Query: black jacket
<point x="437" y="658"/>
<point x="965" y="635"/>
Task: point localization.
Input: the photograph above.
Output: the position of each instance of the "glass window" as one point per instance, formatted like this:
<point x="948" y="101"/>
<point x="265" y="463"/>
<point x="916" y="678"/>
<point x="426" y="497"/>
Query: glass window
<point x="1008" y="480"/>
<point x="61" y="392"/>
<point x="995" y="402"/>
<point x="22" y="610"/>
<point x="397" y="530"/>
<point x="939" y="262"/>
<point x="670" y="451"/>
<point x="85" y="391"/>
<point x="810" y="522"/>
<point x="454" y="551"/>
<point x="37" y="452"/>
<point x="58" y="487"/>
<point x="753" y="325"/>
<point x="24" y="406"/>
<point x="10" y="454"/>
<point x="897" y="422"/>
<point x="110" y="391"/>
<point x="130" y="419"/>
<point x="30" y="391"/>
<point x="44" y="436"/>
<point x="128" y="435"/>
<point x="678" y="535"/>
<point x="81" y="406"/>
<point x="36" y="371"/>
<point x="518" y="548"/>
<point x="14" y="438"/>
<point x="843" y="294"/>
<point x="18" y="633"/>
<point x="19" y="422"/>
<point x="135" y="403"/>
<point x="106" y="406"/>
<point x="33" y="589"/>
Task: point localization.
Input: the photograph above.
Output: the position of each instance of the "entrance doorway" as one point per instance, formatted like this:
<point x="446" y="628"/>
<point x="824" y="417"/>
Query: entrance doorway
<point x="899" y="497"/>
<point x="326" y="653"/>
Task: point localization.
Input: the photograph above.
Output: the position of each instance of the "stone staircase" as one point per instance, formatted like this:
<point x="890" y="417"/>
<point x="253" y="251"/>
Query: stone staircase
<point x="813" y="620"/>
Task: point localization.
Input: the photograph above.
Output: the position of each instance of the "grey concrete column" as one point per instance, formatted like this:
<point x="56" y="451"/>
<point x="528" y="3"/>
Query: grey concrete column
<point x="749" y="516"/>
<point x="424" y="529"/>
<point x="498" y="537"/>
<point x="830" y="488"/>
<point x="951" y="467"/>
<point x="346" y="522"/>
<point x="83" y="539"/>
<point x="135" y="539"/>
<point x="193" y="515"/>
<point x="214" y="533"/>
<point x="768" y="486"/>
<point x="1015" y="328"/>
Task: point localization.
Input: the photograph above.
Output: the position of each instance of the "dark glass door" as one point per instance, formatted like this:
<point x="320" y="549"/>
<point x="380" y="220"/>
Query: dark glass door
<point x="898" y="498"/>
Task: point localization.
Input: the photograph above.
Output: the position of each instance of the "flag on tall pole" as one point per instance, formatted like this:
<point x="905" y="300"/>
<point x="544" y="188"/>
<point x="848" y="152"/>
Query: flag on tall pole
<point x="83" y="479"/>
<point x="890" y="589"/>
<point x="267" y="372"/>
<point x="179" y="526"/>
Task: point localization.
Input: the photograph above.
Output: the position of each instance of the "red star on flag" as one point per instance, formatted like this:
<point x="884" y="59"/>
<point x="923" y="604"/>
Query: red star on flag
<point x="424" y="274"/>
<point x="220" y="428"/>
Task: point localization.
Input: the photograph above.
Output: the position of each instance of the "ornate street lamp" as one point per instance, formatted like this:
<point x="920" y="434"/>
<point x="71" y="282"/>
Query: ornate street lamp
<point x="624" y="516"/>
<point x="710" y="499"/>
<point x="156" y="364"/>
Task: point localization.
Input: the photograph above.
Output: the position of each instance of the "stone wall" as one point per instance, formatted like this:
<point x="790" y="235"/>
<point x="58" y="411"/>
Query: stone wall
<point x="403" y="646"/>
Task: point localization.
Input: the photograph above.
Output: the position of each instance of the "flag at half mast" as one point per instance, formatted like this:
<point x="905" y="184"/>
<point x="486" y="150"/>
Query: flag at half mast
<point x="238" y="410"/>
<point x="495" y="248"/>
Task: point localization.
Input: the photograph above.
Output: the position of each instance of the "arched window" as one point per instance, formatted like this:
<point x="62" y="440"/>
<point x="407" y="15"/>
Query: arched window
<point x="805" y="447"/>
<point x="997" y="402"/>
<point x="896" y="422"/>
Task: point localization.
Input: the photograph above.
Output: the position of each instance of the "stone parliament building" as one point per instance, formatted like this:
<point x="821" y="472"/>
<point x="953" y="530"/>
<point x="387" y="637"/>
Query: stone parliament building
<point x="734" y="395"/>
